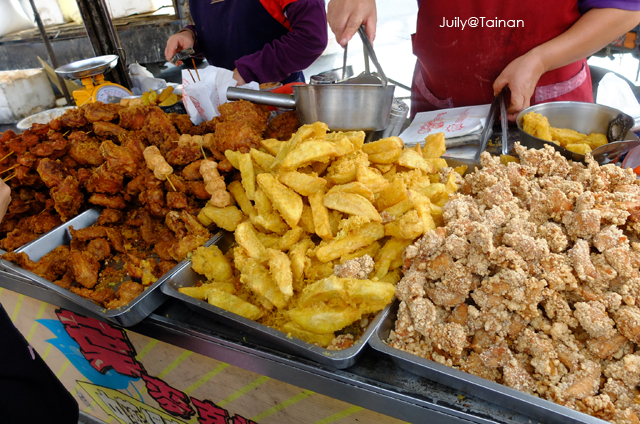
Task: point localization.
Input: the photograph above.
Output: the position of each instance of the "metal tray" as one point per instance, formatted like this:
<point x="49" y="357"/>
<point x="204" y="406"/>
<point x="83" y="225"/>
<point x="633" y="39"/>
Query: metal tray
<point x="126" y="316"/>
<point x="186" y="277"/>
<point x="524" y="403"/>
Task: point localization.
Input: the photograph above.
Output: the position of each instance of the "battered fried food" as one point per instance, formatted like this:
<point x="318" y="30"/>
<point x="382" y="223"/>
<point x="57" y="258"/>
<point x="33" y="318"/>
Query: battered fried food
<point x="97" y="111"/>
<point x="120" y="159"/>
<point x="86" y="152"/>
<point x="68" y="198"/>
<point x="237" y="136"/>
<point x="533" y="282"/>
<point x="283" y="126"/>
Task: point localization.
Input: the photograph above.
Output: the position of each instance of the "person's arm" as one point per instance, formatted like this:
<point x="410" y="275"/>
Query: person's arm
<point x="292" y="52"/>
<point x="594" y="30"/>
<point x="5" y="198"/>
<point x="346" y="16"/>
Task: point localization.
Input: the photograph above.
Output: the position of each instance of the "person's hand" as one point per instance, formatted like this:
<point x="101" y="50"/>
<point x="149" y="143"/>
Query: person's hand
<point x="178" y="42"/>
<point x="346" y="16"/>
<point x="5" y="198"/>
<point x="238" y="77"/>
<point x="521" y="75"/>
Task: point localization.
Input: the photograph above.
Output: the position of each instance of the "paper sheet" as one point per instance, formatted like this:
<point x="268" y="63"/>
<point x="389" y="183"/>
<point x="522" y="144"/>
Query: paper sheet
<point x="454" y="122"/>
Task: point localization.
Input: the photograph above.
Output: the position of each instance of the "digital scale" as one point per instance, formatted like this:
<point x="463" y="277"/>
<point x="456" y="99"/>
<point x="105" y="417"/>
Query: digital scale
<point x="91" y="73"/>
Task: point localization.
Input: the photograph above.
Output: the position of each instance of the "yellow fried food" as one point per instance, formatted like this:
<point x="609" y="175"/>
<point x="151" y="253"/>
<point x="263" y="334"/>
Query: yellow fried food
<point x="211" y="262"/>
<point x="234" y="304"/>
<point x="227" y="218"/>
<point x="285" y="200"/>
<point x="537" y="125"/>
<point x="351" y="203"/>
<point x="303" y="184"/>
<point x="434" y="146"/>
<point x="311" y="151"/>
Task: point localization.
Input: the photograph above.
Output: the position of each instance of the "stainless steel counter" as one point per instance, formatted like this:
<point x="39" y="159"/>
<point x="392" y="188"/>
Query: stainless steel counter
<point x="373" y="383"/>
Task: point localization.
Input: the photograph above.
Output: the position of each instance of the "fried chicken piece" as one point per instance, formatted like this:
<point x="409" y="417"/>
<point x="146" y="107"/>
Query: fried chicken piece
<point x="198" y="189"/>
<point x="98" y="111"/>
<point x="112" y="202"/>
<point x="283" y="126"/>
<point x="176" y="200"/>
<point x="133" y="117"/>
<point x="66" y="281"/>
<point x="165" y="266"/>
<point x="73" y="118"/>
<point x="110" y="216"/>
<point x="85" y="267"/>
<point x="86" y="152"/>
<point x="43" y="149"/>
<point x="627" y="320"/>
<point x="237" y="136"/>
<point x="52" y="172"/>
<point x="119" y="159"/>
<point x="158" y="127"/>
<point x="193" y="225"/>
<point x="581" y="261"/>
<point x="243" y="111"/>
<point x="594" y="319"/>
<point x="103" y="295"/>
<point x="27" y="159"/>
<point x="135" y="143"/>
<point x="183" y="155"/>
<point x="182" y="122"/>
<point x="50" y="266"/>
<point x="148" y="228"/>
<point x="355" y="268"/>
<point x="83" y="175"/>
<point x="105" y="181"/>
<point x="100" y="248"/>
<point x="185" y="245"/>
<point x="68" y="198"/>
<point x="108" y="130"/>
<point x="175" y="224"/>
<point x="90" y="233"/>
<point x="191" y="172"/>
<point x="127" y="291"/>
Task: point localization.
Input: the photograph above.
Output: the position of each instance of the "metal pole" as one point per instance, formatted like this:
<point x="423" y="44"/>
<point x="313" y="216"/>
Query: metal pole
<point x="52" y="56"/>
<point x="103" y="37"/>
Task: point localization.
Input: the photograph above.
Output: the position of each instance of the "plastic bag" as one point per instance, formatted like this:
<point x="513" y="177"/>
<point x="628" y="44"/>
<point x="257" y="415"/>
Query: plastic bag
<point x="142" y="80"/>
<point x="202" y="97"/>
<point x="615" y="92"/>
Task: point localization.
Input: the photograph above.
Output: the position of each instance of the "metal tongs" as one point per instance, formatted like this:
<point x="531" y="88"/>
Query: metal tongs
<point x="183" y="55"/>
<point x="498" y="103"/>
<point x="366" y="77"/>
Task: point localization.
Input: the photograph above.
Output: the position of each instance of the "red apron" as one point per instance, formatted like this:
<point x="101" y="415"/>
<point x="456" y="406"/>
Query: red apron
<point x="457" y="66"/>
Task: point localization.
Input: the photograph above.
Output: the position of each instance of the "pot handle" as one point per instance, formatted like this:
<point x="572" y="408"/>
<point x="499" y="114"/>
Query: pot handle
<point x="261" y="97"/>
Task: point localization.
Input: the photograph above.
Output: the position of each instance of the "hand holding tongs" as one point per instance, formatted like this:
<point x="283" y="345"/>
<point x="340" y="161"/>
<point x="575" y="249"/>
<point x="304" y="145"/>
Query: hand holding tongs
<point x="498" y="102"/>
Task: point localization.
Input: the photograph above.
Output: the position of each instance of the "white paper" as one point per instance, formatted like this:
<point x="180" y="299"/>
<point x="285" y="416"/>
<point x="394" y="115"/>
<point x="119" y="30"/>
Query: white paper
<point x="615" y="92"/>
<point x="454" y="122"/>
<point x="142" y="80"/>
<point x="202" y="98"/>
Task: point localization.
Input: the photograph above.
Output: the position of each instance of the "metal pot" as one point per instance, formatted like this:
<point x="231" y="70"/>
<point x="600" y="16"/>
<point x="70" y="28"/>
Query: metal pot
<point x="586" y="118"/>
<point x="343" y="107"/>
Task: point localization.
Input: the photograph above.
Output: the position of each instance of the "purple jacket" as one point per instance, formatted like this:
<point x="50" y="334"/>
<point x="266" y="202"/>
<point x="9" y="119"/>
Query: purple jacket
<point x="266" y="40"/>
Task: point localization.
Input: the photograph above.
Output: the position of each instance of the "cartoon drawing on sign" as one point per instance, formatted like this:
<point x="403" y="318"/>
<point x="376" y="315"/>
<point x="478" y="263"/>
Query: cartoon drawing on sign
<point x="105" y="356"/>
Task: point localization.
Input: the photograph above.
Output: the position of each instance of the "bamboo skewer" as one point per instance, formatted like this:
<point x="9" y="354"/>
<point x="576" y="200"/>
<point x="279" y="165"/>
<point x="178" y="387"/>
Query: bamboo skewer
<point x="10" y="177"/>
<point x="65" y="134"/>
<point x="194" y="80"/>
<point x="10" y="153"/>
<point x="196" y="68"/>
<point x="205" y="156"/>
<point x="172" y="186"/>
<point x="9" y="169"/>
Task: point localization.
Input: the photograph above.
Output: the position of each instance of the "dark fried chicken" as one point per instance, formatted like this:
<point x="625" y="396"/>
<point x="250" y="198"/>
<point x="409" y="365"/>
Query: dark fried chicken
<point x="98" y="111"/>
<point x="50" y="266"/>
<point x="68" y="198"/>
<point x="85" y="267"/>
<point x="100" y="248"/>
<point x="106" y="201"/>
<point x="182" y="122"/>
<point x="86" y="152"/>
<point x="192" y="171"/>
<point x="242" y="111"/>
<point x="127" y="291"/>
<point x="283" y="126"/>
<point x="237" y="136"/>
<point x="119" y="159"/>
<point x="52" y="172"/>
<point x="110" y="216"/>
<point x="105" y="181"/>
<point x="73" y="118"/>
<point x="158" y="127"/>
<point x="108" y="130"/>
<point x="183" y="155"/>
<point x="132" y="118"/>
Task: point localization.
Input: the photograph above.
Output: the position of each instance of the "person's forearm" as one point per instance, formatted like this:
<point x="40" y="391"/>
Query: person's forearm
<point x="292" y="52"/>
<point x="594" y="30"/>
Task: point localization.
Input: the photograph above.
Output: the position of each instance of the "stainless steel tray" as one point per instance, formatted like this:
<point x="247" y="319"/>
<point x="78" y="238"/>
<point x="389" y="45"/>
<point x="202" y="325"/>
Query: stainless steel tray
<point x="126" y="316"/>
<point x="186" y="277"/>
<point x="540" y="409"/>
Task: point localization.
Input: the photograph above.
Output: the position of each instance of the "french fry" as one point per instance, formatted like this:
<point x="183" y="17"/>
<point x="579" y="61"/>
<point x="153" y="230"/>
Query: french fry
<point x="260" y="281"/>
<point x="295" y="330"/>
<point x="227" y="218"/>
<point x="196" y="292"/>
<point x="411" y="159"/>
<point x="370" y="178"/>
<point x="281" y="242"/>
<point x="272" y="145"/>
<point x="409" y="226"/>
<point x="326" y="289"/>
<point x="270" y="222"/>
<point x="306" y="220"/>
<point x="248" y="174"/>
<point x="400" y="208"/>
<point x="371" y="250"/>
<point x="322" y="320"/>
<point x="438" y="163"/>
<point x="320" y="215"/>
<point x="280" y="267"/>
<point x="391" y="250"/>
<point x="343" y="146"/>
<point x="355" y="187"/>
<point x="234" y="304"/>
<point x="372" y="296"/>
<point x="240" y="196"/>
<point x="306" y="153"/>
<point x="434" y="146"/>
<point x="337" y="248"/>
<point x="299" y="261"/>
<point x="211" y="262"/>
<point x="423" y="206"/>
<point x="232" y="156"/>
<point x="246" y="237"/>
<point x="283" y="199"/>
<point x="393" y="194"/>
<point x="303" y="184"/>
<point x="352" y="204"/>
<point x="263" y="160"/>
<point x="305" y="133"/>
<point x="383" y="145"/>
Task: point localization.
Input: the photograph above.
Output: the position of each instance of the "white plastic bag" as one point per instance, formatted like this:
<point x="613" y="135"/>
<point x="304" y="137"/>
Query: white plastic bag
<point x="202" y="98"/>
<point x="615" y="92"/>
<point x="142" y="80"/>
<point x="13" y="18"/>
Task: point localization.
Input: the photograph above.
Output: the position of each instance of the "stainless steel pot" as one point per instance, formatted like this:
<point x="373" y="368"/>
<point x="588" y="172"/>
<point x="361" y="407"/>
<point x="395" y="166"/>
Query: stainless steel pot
<point x="343" y="107"/>
<point x="586" y="118"/>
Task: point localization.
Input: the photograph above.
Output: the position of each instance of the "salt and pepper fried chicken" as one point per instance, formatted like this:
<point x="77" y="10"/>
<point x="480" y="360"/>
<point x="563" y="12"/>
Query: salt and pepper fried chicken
<point x="533" y="282"/>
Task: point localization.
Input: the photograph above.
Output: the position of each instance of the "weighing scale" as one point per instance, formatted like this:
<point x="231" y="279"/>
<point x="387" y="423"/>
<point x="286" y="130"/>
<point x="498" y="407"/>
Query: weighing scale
<point x="91" y="73"/>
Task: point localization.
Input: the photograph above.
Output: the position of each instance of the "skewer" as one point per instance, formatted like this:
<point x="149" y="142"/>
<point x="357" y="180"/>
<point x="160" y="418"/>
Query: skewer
<point x="195" y="67"/>
<point x="191" y="75"/>
<point x="89" y="132"/>
<point x="10" y="153"/>
<point x="172" y="186"/>
<point x="9" y="169"/>
<point x="10" y="177"/>
<point x="205" y="156"/>
<point x="65" y="134"/>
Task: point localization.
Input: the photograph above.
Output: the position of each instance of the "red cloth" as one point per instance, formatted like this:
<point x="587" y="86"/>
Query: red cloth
<point x="458" y="66"/>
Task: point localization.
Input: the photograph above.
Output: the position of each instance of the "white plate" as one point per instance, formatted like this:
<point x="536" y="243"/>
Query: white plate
<point x="42" y="117"/>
